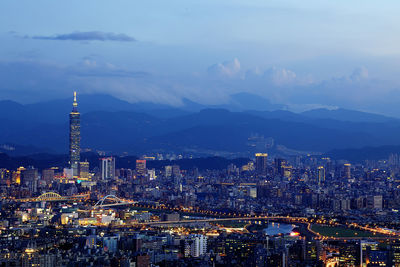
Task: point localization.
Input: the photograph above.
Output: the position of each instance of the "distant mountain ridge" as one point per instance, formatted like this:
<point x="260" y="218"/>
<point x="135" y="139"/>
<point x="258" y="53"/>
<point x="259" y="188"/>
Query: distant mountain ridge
<point x="358" y="155"/>
<point x="347" y="115"/>
<point x="52" y="111"/>
<point x="43" y="161"/>
<point x="118" y="126"/>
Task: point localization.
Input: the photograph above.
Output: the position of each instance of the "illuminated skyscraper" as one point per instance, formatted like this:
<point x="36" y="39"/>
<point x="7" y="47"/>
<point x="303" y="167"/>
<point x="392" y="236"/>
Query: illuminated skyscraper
<point x="141" y="168"/>
<point x="347" y="170"/>
<point x="261" y="163"/>
<point x="74" y="137"/>
<point x="84" y="170"/>
<point x="107" y="168"/>
<point x="321" y="175"/>
<point x="48" y="175"/>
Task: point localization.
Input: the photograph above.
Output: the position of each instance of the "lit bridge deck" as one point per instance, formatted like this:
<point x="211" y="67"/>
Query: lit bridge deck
<point x="51" y="196"/>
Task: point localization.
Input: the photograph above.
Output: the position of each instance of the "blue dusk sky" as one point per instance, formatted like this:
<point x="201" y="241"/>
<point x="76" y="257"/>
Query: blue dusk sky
<point x="303" y="54"/>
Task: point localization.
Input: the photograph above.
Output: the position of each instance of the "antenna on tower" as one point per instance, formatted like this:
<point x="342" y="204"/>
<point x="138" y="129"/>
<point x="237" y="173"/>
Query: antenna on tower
<point x="75" y="104"/>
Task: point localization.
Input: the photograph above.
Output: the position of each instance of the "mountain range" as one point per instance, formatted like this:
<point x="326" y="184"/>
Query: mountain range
<point x="43" y="161"/>
<point x="117" y="126"/>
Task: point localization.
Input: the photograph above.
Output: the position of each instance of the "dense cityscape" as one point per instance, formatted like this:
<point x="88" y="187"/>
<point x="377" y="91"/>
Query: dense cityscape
<point x="199" y="133"/>
<point x="296" y="211"/>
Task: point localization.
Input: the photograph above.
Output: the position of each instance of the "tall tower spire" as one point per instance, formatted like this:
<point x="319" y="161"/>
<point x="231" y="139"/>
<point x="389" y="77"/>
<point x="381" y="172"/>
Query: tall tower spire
<point x="74" y="137"/>
<point x="75" y="103"/>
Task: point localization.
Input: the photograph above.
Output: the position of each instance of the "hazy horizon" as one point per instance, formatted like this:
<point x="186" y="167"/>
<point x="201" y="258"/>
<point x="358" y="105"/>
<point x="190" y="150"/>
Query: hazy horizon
<point x="302" y="55"/>
<point x="228" y="104"/>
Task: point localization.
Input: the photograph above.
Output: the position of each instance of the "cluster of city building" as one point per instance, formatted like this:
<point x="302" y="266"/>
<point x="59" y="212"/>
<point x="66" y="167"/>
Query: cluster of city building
<point x="102" y="215"/>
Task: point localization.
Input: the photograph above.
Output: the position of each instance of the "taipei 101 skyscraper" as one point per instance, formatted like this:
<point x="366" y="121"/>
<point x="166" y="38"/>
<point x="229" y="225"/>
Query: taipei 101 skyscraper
<point x="74" y="137"/>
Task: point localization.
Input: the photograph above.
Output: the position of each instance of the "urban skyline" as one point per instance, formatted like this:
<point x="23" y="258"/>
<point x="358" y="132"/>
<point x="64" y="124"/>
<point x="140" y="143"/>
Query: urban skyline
<point x="210" y="133"/>
<point x="304" y="210"/>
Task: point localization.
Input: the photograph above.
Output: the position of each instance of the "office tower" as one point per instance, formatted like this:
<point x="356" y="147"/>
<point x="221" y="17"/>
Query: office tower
<point x="176" y="171"/>
<point x="48" y="175"/>
<point x="328" y="164"/>
<point x="347" y="170"/>
<point x="321" y="175"/>
<point x="195" y="245"/>
<point x="29" y="177"/>
<point x="261" y="163"/>
<point x="141" y="168"/>
<point x="375" y="202"/>
<point x="84" y="170"/>
<point x="168" y="171"/>
<point x="74" y="137"/>
<point x="5" y="176"/>
<point x="126" y="174"/>
<point x="17" y="175"/>
<point x="279" y="166"/>
<point x="287" y="171"/>
<point x="110" y="243"/>
<point x="152" y="174"/>
<point x="137" y="242"/>
<point x="30" y="174"/>
<point x="252" y="192"/>
<point x="107" y="168"/>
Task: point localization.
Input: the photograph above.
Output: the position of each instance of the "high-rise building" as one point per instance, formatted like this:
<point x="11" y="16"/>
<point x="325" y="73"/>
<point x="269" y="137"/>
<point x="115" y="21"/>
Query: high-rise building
<point x="126" y="174"/>
<point x="110" y="243"/>
<point x="321" y="175"/>
<point x="375" y="202"/>
<point x="74" y="137"/>
<point x="107" y="168"/>
<point x="29" y="178"/>
<point x="17" y="175"/>
<point x="29" y="174"/>
<point x="176" y="171"/>
<point x="48" y="175"/>
<point x="195" y="245"/>
<point x="287" y="171"/>
<point x="84" y="170"/>
<point x="5" y="176"/>
<point x="168" y="171"/>
<point x="141" y="170"/>
<point x="279" y="166"/>
<point x="261" y="163"/>
<point x="347" y="170"/>
<point x="152" y="174"/>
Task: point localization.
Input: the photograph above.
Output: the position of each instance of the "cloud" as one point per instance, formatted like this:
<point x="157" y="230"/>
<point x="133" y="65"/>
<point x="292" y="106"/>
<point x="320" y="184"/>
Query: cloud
<point x="305" y="107"/>
<point x="281" y="76"/>
<point x="91" y="67"/>
<point x="30" y="81"/>
<point x="359" y="74"/>
<point x="88" y="36"/>
<point x="226" y="69"/>
<point x="33" y="80"/>
<point x="277" y="77"/>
